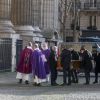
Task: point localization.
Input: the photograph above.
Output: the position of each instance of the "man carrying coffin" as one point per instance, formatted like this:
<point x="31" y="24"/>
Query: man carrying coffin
<point x="38" y="69"/>
<point x="24" y="68"/>
<point x="65" y="62"/>
<point x="74" y="58"/>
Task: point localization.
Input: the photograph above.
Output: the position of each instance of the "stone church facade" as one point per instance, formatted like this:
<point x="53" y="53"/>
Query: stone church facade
<point x="22" y="21"/>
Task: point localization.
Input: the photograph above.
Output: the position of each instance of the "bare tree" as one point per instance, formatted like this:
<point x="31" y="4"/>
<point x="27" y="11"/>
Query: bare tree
<point x="69" y="5"/>
<point x="66" y="9"/>
<point x="75" y="21"/>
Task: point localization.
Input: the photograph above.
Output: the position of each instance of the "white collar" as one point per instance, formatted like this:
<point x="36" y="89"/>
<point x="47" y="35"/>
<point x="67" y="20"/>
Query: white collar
<point x="44" y="48"/>
<point x="37" y="49"/>
<point x="29" y="47"/>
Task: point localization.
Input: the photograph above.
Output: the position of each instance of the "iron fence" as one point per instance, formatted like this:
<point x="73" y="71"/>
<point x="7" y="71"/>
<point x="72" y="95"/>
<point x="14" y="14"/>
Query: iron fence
<point x="91" y="5"/>
<point x="6" y="53"/>
<point x="19" y="46"/>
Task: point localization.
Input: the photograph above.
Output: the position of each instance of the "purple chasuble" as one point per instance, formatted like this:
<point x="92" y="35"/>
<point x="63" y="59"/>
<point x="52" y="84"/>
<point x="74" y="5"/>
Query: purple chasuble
<point x="46" y="64"/>
<point x="24" y="65"/>
<point x="38" y="68"/>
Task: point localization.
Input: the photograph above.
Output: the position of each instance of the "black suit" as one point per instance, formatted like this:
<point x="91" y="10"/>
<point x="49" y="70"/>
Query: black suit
<point x="87" y="65"/>
<point x="97" y="67"/>
<point x="53" y="66"/>
<point x="74" y="56"/>
<point x="65" y="62"/>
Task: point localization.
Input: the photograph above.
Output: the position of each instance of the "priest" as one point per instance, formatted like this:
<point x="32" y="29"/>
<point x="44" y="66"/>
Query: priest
<point x="38" y="69"/>
<point x="24" y="68"/>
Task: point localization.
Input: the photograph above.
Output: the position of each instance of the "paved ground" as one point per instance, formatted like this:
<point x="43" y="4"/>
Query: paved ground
<point x="10" y="90"/>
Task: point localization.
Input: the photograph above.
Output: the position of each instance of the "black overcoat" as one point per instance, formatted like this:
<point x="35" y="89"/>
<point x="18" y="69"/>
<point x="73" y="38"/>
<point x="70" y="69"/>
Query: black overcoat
<point x="66" y="58"/>
<point x="97" y="60"/>
<point x="86" y="61"/>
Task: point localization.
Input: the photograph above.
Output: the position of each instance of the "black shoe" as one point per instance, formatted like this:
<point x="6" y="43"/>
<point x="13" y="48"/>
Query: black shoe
<point x="68" y="83"/>
<point x="76" y="81"/>
<point x="95" y="82"/>
<point x="73" y="81"/>
<point x="20" y="81"/>
<point x="54" y="84"/>
<point x="26" y="82"/>
<point x="86" y="83"/>
<point x="37" y="84"/>
<point x="64" y="84"/>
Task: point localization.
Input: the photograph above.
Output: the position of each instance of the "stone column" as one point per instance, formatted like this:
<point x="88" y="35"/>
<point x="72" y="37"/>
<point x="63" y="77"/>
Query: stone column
<point x="21" y="12"/>
<point x="22" y="18"/>
<point x="7" y="28"/>
<point x="26" y="33"/>
<point x="26" y="12"/>
<point x="5" y="9"/>
<point x="5" y="23"/>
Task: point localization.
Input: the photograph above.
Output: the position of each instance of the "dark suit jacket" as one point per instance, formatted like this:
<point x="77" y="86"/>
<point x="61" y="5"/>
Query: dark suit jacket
<point x="65" y="58"/>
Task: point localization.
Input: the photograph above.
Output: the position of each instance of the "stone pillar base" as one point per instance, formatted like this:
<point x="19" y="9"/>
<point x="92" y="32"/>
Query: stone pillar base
<point x="26" y="33"/>
<point x="7" y="31"/>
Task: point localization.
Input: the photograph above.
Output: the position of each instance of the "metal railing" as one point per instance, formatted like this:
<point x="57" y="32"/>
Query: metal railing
<point x="87" y="6"/>
<point x="91" y="6"/>
<point x="6" y="53"/>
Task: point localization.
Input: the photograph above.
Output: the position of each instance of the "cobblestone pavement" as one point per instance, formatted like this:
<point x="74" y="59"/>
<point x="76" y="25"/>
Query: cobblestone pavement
<point x="10" y="90"/>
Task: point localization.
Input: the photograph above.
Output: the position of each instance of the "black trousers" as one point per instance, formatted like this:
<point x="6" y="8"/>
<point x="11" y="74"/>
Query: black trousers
<point x="74" y="75"/>
<point x="66" y="75"/>
<point x="96" y="74"/>
<point x="87" y="76"/>
<point x="96" y="77"/>
<point x="53" y="74"/>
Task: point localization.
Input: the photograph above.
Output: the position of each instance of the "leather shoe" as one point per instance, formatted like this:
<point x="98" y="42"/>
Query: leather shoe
<point x="26" y="82"/>
<point x="64" y="84"/>
<point x="95" y="82"/>
<point x="54" y="84"/>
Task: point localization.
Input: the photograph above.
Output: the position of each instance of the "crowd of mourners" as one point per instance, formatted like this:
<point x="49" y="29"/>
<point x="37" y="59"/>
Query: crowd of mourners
<point x="39" y="64"/>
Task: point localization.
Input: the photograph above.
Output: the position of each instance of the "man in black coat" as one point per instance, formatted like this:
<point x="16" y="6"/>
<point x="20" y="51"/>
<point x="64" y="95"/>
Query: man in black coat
<point x="53" y="65"/>
<point x="87" y="64"/>
<point x="74" y="56"/>
<point x="97" y="67"/>
<point x="65" y="62"/>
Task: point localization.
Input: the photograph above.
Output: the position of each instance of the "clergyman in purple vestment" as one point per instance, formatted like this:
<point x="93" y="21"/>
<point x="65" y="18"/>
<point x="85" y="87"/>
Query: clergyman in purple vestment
<point x="38" y="69"/>
<point x="46" y="52"/>
<point x="24" y="68"/>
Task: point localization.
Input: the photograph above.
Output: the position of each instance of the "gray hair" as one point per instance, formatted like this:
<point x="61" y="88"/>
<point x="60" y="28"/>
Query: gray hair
<point x="30" y="44"/>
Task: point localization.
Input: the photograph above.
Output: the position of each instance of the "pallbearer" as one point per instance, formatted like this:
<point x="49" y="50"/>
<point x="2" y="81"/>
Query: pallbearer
<point x="86" y="63"/>
<point x="97" y="64"/>
<point x="46" y="52"/>
<point x="38" y="69"/>
<point x="75" y="59"/>
<point x="65" y="62"/>
<point x="24" y="68"/>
